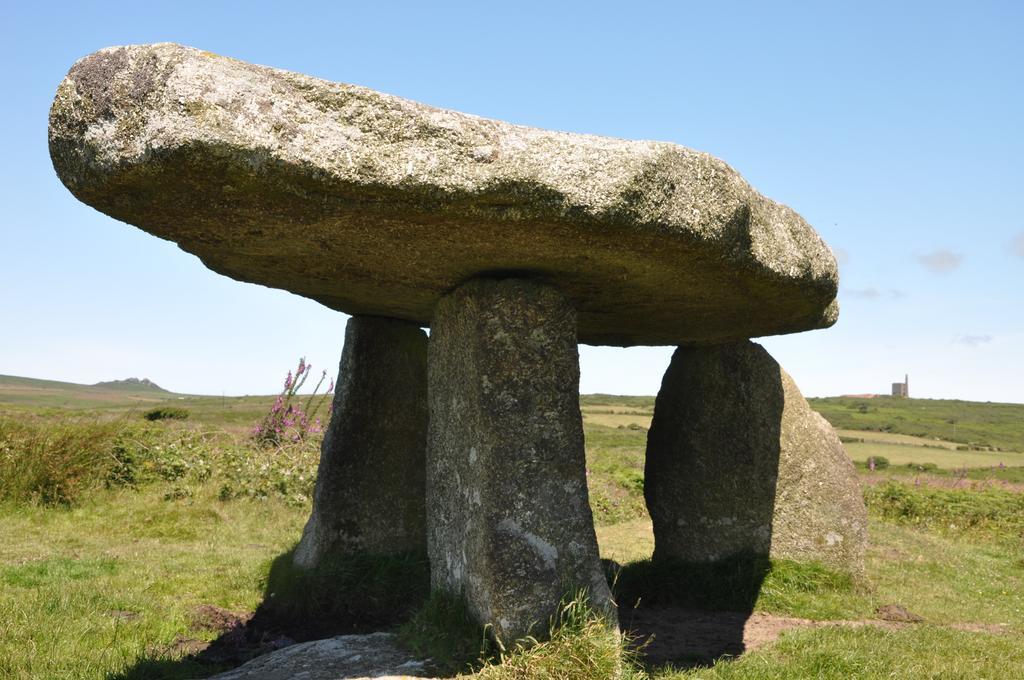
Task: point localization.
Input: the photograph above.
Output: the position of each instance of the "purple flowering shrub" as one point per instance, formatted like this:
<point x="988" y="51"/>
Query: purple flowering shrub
<point x="293" y="418"/>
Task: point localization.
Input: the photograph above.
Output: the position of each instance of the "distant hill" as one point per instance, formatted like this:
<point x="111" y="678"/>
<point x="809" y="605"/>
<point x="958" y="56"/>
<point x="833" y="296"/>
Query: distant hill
<point x="131" y="385"/>
<point x="33" y="392"/>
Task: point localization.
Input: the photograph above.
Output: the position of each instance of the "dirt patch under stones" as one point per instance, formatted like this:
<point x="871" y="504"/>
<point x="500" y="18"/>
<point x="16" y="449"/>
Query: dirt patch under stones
<point x="237" y="640"/>
<point x="691" y="638"/>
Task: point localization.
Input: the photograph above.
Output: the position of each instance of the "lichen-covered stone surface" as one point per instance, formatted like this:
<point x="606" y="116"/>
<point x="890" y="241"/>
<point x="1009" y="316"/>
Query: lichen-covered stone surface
<point x="369" y="496"/>
<point x="739" y="464"/>
<point x="377" y="205"/>
<point x="509" y="523"/>
<point x="346" y="657"/>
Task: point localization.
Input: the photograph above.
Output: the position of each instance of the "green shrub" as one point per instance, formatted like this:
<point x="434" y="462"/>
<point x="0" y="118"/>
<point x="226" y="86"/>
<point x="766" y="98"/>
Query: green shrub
<point x="259" y="473"/>
<point x="581" y="645"/>
<point x="166" y="413"/>
<point x="880" y="462"/>
<point x="994" y="510"/>
<point x="54" y="462"/>
<point x="923" y="467"/>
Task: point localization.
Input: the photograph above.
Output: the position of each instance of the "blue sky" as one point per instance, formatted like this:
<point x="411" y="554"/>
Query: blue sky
<point x="894" y="128"/>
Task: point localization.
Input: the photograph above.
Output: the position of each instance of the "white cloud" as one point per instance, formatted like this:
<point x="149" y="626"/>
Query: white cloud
<point x="872" y="293"/>
<point x="974" y="340"/>
<point x="941" y="260"/>
<point x="1017" y="244"/>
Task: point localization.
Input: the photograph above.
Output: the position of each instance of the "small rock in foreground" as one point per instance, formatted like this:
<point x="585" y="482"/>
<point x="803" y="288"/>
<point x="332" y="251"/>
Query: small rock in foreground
<point x="346" y="657"/>
<point x="897" y="612"/>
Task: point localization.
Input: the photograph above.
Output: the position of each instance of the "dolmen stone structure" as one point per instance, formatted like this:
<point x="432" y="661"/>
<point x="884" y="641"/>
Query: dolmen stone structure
<point x="513" y="245"/>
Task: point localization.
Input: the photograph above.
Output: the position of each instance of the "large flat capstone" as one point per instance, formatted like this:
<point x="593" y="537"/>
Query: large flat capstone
<point x="372" y="204"/>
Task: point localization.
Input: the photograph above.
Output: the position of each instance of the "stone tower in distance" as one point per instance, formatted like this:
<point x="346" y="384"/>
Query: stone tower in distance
<point x="902" y="389"/>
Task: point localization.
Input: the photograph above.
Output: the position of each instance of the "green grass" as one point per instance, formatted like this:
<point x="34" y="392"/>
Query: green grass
<point x="901" y="454"/>
<point x="581" y="645"/>
<point x="994" y="511"/>
<point x="617" y="402"/>
<point x="868" y="653"/>
<point x="615" y="473"/>
<point x="947" y="476"/>
<point x="968" y="574"/>
<point x="90" y="591"/>
<point x="170" y="515"/>
<point x="973" y="423"/>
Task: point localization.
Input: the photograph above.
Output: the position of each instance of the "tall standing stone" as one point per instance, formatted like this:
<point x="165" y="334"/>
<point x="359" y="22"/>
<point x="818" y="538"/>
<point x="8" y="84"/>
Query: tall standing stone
<point x="738" y="465"/>
<point x="509" y="524"/>
<point x="369" y="496"/>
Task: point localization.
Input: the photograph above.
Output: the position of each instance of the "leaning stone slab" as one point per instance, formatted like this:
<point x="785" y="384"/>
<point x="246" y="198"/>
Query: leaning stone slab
<point x="739" y="464"/>
<point x="346" y="657"/>
<point x="373" y="204"/>
<point x="369" y="496"/>
<point x="509" y="523"/>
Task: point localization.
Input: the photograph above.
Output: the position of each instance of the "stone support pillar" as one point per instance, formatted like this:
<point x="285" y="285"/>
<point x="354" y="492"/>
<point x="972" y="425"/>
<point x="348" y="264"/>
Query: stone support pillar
<point x="369" y="496"/>
<point x="509" y="525"/>
<point x="739" y="465"/>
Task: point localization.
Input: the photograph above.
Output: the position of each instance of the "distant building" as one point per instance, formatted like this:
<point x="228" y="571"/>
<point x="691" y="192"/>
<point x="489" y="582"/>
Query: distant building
<point x="902" y="389"/>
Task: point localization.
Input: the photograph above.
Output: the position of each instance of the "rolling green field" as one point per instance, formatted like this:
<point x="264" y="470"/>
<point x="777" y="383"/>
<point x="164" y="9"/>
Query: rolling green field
<point x="117" y="530"/>
<point x="902" y="454"/>
<point x="979" y="424"/>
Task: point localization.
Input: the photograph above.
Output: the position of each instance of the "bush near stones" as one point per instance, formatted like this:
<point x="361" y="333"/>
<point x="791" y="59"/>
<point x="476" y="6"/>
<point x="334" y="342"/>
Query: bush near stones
<point x="581" y="643"/>
<point x="166" y="413"/>
<point x="996" y="512"/>
<point x="878" y="462"/>
<point x="57" y="462"/>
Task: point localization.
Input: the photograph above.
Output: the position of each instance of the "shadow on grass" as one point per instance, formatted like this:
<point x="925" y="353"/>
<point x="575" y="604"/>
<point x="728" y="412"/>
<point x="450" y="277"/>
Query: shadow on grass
<point x="691" y="615"/>
<point x="354" y="594"/>
<point x="688" y="614"/>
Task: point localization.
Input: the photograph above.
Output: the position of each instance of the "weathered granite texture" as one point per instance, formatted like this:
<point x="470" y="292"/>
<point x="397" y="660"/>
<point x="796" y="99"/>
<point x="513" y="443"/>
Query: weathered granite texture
<point x="508" y="519"/>
<point x="369" y="496"/>
<point x="346" y="657"/>
<point x="738" y="463"/>
<point x="372" y="204"/>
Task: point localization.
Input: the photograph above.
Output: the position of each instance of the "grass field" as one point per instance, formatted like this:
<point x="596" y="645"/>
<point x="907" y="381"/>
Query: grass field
<point x="987" y="424"/>
<point x="901" y="454"/>
<point x="106" y="583"/>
